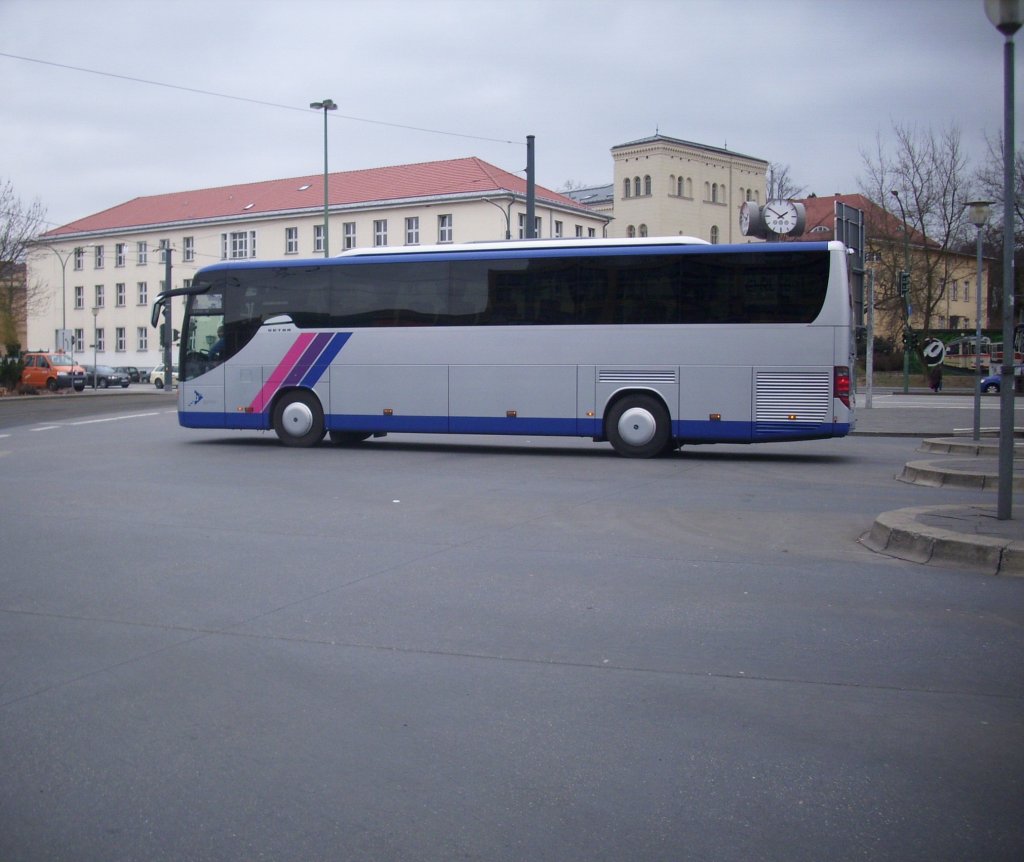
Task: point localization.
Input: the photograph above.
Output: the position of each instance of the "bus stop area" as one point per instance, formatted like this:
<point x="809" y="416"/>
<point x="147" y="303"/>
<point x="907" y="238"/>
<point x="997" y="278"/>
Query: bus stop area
<point x="949" y="535"/>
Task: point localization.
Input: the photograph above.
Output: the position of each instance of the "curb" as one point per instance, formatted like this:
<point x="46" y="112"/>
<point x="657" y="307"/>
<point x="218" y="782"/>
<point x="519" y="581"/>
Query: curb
<point x="937" y="474"/>
<point x="900" y="534"/>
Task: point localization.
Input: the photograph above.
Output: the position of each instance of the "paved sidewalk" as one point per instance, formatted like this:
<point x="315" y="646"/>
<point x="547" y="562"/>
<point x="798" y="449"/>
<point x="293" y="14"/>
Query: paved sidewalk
<point x="969" y="537"/>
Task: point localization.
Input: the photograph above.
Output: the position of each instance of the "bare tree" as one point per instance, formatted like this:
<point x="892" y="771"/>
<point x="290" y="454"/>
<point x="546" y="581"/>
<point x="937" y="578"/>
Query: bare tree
<point x="779" y="185"/>
<point x="19" y="224"/>
<point x="921" y="183"/>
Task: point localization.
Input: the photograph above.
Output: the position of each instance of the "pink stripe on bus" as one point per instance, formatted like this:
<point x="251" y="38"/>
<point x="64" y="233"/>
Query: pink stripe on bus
<point x="278" y="375"/>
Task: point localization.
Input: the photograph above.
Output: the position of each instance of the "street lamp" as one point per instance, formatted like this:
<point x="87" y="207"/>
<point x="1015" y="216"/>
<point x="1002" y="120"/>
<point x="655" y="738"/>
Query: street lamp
<point x="325" y="106"/>
<point x="904" y="289"/>
<point x="63" y="293"/>
<point x="978" y="215"/>
<point x="1006" y="16"/>
<point x="507" y="212"/>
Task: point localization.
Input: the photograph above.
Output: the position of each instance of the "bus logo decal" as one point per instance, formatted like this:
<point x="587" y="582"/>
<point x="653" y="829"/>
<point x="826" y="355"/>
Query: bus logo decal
<point x="303" y="364"/>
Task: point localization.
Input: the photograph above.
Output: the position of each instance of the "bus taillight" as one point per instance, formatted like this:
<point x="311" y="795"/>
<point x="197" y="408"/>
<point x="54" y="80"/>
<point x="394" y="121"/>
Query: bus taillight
<point x="841" y="384"/>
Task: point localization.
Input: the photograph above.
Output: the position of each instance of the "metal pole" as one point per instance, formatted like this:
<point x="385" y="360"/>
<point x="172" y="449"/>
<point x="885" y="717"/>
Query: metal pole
<point x="531" y="192"/>
<point x="326" y="194"/>
<point x="869" y="359"/>
<point x="977" y="348"/>
<point x="168" y="322"/>
<point x="325" y="106"/>
<point x="906" y="298"/>
<point x="1006" y="382"/>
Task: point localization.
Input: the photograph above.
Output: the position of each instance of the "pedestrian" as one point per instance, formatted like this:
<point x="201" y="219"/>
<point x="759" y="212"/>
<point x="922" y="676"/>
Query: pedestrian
<point x="935" y="379"/>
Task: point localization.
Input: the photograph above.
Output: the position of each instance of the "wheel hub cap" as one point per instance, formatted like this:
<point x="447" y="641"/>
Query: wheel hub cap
<point x="637" y="426"/>
<point x="298" y="419"/>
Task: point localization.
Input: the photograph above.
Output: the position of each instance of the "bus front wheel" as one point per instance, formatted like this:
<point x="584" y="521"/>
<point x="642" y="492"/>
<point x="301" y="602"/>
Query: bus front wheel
<point x="299" y="419"/>
<point x="638" y="426"/>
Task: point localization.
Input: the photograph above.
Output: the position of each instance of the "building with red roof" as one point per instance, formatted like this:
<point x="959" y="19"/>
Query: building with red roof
<point x="111" y="261"/>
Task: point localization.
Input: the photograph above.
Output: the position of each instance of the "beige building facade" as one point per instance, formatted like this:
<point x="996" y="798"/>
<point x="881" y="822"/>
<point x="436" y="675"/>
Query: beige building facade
<point x="665" y="186"/>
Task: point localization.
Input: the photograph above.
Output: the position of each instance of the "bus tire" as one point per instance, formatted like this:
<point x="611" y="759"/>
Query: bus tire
<point x="638" y="426"/>
<point x="299" y="418"/>
<point x="348" y="438"/>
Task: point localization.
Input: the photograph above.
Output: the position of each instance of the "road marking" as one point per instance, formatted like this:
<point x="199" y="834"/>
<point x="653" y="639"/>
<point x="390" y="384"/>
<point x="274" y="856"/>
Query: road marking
<point x="113" y="418"/>
<point x="46" y="428"/>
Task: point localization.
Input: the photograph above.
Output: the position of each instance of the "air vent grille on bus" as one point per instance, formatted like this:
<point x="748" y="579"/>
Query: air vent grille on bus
<point x="638" y="376"/>
<point x="788" y="400"/>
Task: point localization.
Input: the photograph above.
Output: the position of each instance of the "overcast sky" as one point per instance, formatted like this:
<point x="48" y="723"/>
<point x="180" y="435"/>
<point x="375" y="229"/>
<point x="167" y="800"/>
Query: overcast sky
<point x="176" y="95"/>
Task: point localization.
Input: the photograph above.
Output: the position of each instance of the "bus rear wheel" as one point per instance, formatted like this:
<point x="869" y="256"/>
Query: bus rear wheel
<point x="299" y="419"/>
<point x="638" y="426"/>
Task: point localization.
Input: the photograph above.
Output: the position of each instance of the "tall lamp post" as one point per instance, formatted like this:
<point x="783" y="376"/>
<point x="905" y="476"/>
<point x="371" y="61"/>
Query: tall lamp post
<point x="507" y="212"/>
<point x="905" y="294"/>
<point x="63" y="292"/>
<point x="978" y="214"/>
<point x="1007" y="17"/>
<point x="325" y="106"/>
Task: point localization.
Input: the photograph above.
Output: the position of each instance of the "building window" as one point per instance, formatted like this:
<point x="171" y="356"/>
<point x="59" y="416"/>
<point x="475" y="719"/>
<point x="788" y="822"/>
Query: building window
<point x="631" y="232"/>
<point x="591" y="232"/>
<point x="165" y="246"/>
<point x="579" y="230"/>
<point x="143" y="293"/>
<point x="291" y="240"/>
<point x="955" y="294"/>
<point x="79" y="258"/>
<point x="142" y="252"/>
<point x="318" y="238"/>
<point x="647" y="185"/>
<point x="625" y="187"/>
<point x="967" y="290"/>
<point x="120" y="340"/>
<point x="636" y="187"/>
<point x="558" y="228"/>
<point x="101" y="342"/>
<point x="714" y="193"/>
<point x="79" y="296"/>
<point x="349" y="233"/>
<point x="79" y="340"/>
<point x="537" y="224"/>
<point x="120" y="294"/>
<point x="412" y="230"/>
<point x="142" y="337"/>
<point x="681" y="188"/>
<point x="119" y="254"/>
<point x="714" y="234"/>
<point x="380" y="232"/>
<point x="238" y="245"/>
<point x="188" y="254"/>
<point x="444" y="228"/>
<point x="643" y="230"/>
<point x="99" y="296"/>
<point x="97" y="260"/>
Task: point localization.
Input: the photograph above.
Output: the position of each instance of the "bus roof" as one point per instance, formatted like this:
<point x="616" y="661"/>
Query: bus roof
<point x="514" y="248"/>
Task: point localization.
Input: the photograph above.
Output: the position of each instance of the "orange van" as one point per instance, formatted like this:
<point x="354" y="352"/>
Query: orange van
<point x="52" y="370"/>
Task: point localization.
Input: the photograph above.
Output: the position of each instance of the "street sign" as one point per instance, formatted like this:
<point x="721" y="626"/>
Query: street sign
<point x="934" y="352"/>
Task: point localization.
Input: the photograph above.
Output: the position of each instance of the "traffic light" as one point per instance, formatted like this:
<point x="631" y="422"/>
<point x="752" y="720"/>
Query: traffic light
<point x="904" y="283"/>
<point x="175" y="335"/>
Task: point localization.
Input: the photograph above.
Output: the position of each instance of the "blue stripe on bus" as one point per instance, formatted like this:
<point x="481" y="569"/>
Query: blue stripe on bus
<point x="326" y="357"/>
<point x="687" y="431"/>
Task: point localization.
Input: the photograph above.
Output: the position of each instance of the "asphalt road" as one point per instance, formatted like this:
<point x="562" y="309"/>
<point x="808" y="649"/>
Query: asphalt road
<point x="425" y="648"/>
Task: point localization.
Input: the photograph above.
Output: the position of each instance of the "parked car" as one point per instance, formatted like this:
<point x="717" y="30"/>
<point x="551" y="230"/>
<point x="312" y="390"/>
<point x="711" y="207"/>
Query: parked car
<point x="144" y="375"/>
<point x="158" y="374"/>
<point x="53" y="371"/>
<point x="103" y="376"/>
<point x="990" y="383"/>
<point x="134" y="376"/>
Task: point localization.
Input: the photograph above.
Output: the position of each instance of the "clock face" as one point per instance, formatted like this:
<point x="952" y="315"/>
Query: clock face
<point x="751" y="223"/>
<point x="780" y="216"/>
